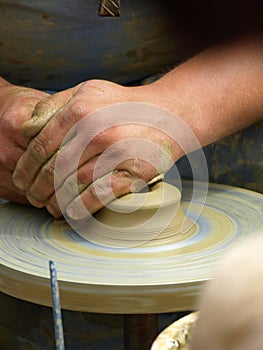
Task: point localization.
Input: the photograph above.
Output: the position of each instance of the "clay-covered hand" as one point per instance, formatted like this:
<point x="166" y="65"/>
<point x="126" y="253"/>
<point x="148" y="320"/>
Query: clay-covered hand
<point x="104" y="156"/>
<point x="16" y="106"/>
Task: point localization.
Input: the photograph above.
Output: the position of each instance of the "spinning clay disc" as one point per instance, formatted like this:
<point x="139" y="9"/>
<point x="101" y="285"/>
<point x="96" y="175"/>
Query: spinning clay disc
<point x="137" y="268"/>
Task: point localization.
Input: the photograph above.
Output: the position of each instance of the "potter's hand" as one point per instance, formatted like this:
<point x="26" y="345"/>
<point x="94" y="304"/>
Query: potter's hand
<point x="99" y="180"/>
<point x="16" y="106"/>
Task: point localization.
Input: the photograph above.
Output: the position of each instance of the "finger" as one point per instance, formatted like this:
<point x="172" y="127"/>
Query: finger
<point x="39" y="195"/>
<point x="19" y="117"/>
<point x="44" y="111"/>
<point x="53" y="207"/>
<point x="13" y="196"/>
<point x="48" y="141"/>
<point x="99" y="193"/>
<point x="64" y="163"/>
<point x="18" y="113"/>
<point x="39" y="151"/>
<point x="96" y="169"/>
<point x="57" y="209"/>
<point x="8" y="190"/>
<point x="43" y="187"/>
<point x="46" y="183"/>
<point x="88" y="173"/>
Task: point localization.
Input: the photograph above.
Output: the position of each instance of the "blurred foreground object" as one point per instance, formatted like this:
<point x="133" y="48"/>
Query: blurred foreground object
<point x="232" y="304"/>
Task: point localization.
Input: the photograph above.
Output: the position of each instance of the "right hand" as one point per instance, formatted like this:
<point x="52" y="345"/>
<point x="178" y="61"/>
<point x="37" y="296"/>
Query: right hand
<point x="16" y="106"/>
<point x="133" y="153"/>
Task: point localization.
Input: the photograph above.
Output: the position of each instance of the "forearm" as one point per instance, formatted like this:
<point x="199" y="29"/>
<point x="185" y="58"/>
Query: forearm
<point x="218" y="91"/>
<point x="215" y="93"/>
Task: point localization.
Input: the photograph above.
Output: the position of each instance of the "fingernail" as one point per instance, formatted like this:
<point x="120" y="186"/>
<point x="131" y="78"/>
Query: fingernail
<point x="53" y="212"/>
<point x="35" y="202"/>
<point x="18" y="181"/>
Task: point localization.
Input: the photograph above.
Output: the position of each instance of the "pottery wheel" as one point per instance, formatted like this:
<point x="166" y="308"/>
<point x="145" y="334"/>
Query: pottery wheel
<point x="162" y="274"/>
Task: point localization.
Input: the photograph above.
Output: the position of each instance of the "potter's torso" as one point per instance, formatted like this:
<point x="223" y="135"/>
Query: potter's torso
<point x="56" y="44"/>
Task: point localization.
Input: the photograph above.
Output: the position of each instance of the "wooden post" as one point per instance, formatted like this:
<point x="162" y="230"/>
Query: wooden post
<point x="140" y="331"/>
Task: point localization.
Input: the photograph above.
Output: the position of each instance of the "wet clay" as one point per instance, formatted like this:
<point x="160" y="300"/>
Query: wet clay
<point x="152" y="218"/>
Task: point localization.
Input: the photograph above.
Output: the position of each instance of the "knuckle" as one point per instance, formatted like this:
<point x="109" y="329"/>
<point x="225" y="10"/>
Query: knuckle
<point x="47" y="103"/>
<point x="9" y="122"/>
<point x="98" y="189"/>
<point x="77" y="109"/>
<point x="122" y="175"/>
<point x="142" y="169"/>
<point x="70" y="186"/>
<point x="37" y="149"/>
<point x="121" y="182"/>
<point x="86" y="176"/>
<point x="101" y="190"/>
<point x="137" y="169"/>
<point x="92" y="84"/>
<point x="132" y="166"/>
<point x="48" y="171"/>
<point x="43" y="186"/>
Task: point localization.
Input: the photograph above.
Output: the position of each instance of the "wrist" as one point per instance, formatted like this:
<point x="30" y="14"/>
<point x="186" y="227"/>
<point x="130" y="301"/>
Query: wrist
<point x="165" y="121"/>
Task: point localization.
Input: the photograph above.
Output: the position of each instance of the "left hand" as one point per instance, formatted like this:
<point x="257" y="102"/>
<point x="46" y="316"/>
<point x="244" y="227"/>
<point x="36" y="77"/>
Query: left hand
<point x="16" y="106"/>
<point x="123" y="165"/>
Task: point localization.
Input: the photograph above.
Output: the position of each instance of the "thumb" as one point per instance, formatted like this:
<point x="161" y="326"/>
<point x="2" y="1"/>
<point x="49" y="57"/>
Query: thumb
<point x="44" y="111"/>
